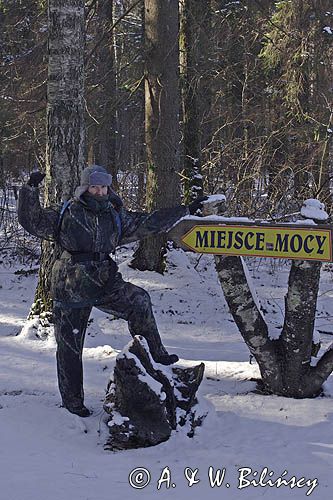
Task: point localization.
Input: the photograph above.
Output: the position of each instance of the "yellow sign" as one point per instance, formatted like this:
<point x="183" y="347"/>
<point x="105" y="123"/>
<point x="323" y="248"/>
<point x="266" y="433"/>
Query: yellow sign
<point x="260" y="241"/>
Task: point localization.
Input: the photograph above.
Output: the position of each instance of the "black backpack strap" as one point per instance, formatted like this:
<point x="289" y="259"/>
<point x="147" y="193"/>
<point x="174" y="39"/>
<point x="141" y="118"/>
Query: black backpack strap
<point x="61" y="216"/>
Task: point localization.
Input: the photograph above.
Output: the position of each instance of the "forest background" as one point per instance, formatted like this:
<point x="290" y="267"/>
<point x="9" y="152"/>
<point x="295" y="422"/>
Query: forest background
<point x="252" y="118"/>
<point x="255" y="107"/>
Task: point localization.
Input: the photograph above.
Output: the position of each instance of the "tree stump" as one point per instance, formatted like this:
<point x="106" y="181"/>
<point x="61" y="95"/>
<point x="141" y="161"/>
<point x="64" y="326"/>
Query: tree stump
<point x="146" y="401"/>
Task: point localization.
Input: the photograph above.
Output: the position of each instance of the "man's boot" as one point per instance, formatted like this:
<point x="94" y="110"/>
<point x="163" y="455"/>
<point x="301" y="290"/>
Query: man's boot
<point x="81" y="411"/>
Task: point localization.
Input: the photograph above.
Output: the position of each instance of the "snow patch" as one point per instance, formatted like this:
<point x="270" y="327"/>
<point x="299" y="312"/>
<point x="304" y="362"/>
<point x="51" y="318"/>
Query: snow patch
<point x="314" y="209"/>
<point x="212" y="198"/>
<point x="328" y="29"/>
<point x="117" y="419"/>
<point x="34" y="329"/>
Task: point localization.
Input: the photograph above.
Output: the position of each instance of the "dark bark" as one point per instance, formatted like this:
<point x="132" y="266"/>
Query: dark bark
<point x="297" y="332"/>
<point x="151" y="402"/>
<point x="196" y="91"/>
<point x="105" y="142"/>
<point x="323" y="370"/>
<point x="161" y="121"/>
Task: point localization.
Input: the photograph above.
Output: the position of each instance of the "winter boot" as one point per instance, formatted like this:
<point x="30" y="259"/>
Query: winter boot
<point x="166" y="359"/>
<point x="81" y="411"/>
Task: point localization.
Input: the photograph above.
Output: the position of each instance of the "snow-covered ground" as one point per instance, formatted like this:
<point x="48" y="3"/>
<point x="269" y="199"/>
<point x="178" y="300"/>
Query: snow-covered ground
<point x="47" y="453"/>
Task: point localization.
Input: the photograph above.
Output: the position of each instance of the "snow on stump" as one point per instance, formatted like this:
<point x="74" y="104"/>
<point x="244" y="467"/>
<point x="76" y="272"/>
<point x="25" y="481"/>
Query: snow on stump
<point x="146" y="401"/>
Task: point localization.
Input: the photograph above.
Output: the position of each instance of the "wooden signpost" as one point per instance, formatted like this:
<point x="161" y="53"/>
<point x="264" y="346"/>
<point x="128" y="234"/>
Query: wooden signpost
<point x="287" y="241"/>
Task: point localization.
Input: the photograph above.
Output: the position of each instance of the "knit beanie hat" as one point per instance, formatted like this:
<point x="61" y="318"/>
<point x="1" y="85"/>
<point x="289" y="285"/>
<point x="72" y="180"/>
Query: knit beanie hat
<point x="94" y="175"/>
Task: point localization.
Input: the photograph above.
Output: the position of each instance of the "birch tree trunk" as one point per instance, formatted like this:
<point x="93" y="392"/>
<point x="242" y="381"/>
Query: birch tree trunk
<point x="65" y="119"/>
<point x="161" y="120"/>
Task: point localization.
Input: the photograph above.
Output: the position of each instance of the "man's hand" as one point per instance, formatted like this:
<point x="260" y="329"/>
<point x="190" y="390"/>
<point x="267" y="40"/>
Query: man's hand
<point x="196" y="205"/>
<point x="35" y="179"/>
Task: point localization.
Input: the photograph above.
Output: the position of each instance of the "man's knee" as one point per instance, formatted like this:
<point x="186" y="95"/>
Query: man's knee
<point x="140" y="300"/>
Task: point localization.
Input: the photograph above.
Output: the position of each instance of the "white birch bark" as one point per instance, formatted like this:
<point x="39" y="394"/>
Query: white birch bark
<point x="65" y="121"/>
<point x="65" y="97"/>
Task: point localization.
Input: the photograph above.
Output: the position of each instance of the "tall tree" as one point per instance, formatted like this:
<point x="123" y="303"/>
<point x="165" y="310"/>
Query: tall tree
<point x="65" y="117"/>
<point x="161" y="120"/>
<point x="22" y="84"/>
<point x="103" y="79"/>
<point x="115" y="93"/>
<point x="233" y="157"/>
<point x="298" y="56"/>
<point x="196" y="89"/>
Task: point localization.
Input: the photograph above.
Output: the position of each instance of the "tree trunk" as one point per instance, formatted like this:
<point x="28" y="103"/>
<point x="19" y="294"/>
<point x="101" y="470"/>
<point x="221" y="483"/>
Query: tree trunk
<point x="297" y="332"/>
<point x="161" y="121"/>
<point x="322" y="69"/>
<point x="196" y="92"/>
<point x="248" y="318"/>
<point x="65" y="119"/>
<point x="284" y="363"/>
<point x="105" y="142"/>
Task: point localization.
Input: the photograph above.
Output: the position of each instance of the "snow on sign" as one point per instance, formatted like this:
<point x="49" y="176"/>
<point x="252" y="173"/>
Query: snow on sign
<point x="289" y="242"/>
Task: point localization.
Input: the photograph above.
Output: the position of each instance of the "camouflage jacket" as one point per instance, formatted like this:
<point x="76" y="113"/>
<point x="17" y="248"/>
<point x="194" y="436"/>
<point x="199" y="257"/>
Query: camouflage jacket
<point x="83" y="230"/>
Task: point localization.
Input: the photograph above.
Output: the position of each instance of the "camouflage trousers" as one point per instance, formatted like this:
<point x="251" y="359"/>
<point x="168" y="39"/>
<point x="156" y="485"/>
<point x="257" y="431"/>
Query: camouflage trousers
<point x="122" y="300"/>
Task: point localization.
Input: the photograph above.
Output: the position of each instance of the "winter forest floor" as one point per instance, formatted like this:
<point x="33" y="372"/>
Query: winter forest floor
<point x="47" y="453"/>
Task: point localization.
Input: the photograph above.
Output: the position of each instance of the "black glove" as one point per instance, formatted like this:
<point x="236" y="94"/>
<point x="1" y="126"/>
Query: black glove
<point x="197" y="204"/>
<point x="35" y="179"/>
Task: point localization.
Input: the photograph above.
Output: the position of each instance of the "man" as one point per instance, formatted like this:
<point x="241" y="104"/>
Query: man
<point x="88" y="229"/>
